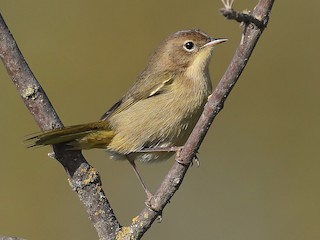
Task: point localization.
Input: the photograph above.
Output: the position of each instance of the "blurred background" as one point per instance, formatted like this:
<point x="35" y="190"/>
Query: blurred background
<point x="259" y="174"/>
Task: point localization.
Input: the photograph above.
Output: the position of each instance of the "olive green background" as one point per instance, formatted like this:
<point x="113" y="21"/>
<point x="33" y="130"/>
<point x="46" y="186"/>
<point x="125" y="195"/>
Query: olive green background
<point x="259" y="173"/>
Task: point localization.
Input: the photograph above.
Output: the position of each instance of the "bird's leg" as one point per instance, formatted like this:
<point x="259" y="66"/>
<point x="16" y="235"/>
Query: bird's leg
<point x="160" y="149"/>
<point x="170" y="149"/>
<point x="135" y="169"/>
<point x="176" y="149"/>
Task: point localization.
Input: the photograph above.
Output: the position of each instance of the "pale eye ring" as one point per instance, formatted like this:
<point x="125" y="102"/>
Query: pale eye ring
<point x="189" y="46"/>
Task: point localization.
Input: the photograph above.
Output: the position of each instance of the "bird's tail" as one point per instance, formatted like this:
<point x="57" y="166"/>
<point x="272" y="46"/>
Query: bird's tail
<point x="83" y="136"/>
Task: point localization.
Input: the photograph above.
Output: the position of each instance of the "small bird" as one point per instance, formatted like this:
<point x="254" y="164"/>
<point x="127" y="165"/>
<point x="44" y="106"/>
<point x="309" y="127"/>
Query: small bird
<point x="157" y="114"/>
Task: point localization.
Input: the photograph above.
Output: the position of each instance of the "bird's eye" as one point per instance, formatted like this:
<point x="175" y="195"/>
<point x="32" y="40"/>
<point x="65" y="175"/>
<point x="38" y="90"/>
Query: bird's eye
<point x="189" y="46"/>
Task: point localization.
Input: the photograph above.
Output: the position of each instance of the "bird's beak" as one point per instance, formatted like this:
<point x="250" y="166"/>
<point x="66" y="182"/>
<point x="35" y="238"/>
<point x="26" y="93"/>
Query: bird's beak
<point x="215" y="41"/>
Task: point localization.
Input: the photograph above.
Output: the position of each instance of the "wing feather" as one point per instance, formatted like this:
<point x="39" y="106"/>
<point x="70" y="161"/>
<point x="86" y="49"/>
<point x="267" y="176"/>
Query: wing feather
<point x="145" y="87"/>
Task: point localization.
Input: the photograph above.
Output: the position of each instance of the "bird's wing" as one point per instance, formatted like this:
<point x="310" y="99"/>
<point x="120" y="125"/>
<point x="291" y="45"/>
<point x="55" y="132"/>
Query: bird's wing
<point x="145" y="87"/>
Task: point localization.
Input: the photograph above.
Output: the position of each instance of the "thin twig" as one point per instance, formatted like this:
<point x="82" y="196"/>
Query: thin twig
<point x="242" y="17"/>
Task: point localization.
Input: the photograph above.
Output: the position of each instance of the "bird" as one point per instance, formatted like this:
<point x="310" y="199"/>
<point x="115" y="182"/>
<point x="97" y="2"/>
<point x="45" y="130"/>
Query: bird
<point x="156" y="116"/>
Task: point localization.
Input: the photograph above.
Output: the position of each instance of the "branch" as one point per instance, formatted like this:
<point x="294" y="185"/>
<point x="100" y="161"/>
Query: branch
<point x="174" y="178"/>
<point x="83" y="178"/>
